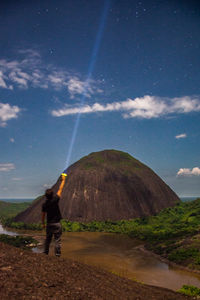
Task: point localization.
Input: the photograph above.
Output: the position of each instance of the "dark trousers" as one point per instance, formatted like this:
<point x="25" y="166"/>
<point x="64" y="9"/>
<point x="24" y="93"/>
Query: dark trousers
<point x="56" y="230"/>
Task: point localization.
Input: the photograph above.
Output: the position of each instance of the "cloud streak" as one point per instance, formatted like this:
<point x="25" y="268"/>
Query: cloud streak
<point x="86" y="88"/>
<point x="189" y="172"/>
<point x="7" y="167"/>
<point x="30" y="71"/>
<point x="146" y="107"/>
<point x="8" y="112"/>
<point x="181" y="136"/>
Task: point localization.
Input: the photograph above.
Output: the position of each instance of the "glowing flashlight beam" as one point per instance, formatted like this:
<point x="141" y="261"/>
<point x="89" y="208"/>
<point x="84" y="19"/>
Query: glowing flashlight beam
<point x="89" y="74"/>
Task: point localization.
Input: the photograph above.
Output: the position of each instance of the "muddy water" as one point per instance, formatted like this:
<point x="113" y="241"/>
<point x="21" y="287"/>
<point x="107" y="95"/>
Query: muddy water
<point x="123" y="256"/>
<point x="120" y="255"/>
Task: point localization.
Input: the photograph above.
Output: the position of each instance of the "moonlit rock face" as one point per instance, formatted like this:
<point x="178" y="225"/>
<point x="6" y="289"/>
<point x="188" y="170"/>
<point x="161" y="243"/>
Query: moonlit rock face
<point x="108" y="185"/>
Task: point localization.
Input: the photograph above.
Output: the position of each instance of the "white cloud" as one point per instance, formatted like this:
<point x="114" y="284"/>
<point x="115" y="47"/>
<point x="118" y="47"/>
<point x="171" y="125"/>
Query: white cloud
<point x="3" y="84"/>
<point x="7" y="167"/>
<point x="79" y="87"/>
<point x="181" y="136"/>
<point x="189" y="172"/>
<point x="185" y="104"/>
<point x="29" y="52"/>
<point x="20" y="78"/>
<point x="31" y="71"/>
<point x="146" y="107"/>
<point x="2" y="81"/>
<point x="58" y="79"/>
<point x="196" y="171"/>
<point x="8" y="112"/>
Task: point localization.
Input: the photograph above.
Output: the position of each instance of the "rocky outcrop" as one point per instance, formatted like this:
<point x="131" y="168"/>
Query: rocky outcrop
<point x="108" y="185"/>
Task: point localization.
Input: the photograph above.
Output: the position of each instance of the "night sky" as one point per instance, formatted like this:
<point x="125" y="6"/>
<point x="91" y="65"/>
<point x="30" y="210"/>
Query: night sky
<point x="80" y="76"/>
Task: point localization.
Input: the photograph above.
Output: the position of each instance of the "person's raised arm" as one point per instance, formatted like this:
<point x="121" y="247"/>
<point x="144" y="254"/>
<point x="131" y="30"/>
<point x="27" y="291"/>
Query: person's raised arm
<point x="63" y="178"/>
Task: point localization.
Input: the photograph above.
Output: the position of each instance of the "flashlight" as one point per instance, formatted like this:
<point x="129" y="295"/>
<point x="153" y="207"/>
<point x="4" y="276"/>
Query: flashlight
<point x="64" y="174"/>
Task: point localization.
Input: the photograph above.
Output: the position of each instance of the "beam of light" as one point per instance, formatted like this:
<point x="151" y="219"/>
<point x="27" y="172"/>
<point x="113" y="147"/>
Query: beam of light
<point x="89" y="74"/>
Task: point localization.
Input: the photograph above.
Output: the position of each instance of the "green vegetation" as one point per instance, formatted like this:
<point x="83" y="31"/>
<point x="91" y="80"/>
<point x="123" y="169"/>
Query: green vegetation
<point x="8" y="209"/>
<point x="173" y="233"/>
<point x="18" y="241"/>
<point x="190" y="290"/>
<point x="182" y="254"/>
<point x="8" y="222"/>
<point x="98" y="159"/>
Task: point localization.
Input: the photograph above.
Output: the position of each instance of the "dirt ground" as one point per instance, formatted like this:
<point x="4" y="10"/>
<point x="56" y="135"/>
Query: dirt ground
<point x="27" y="275"/>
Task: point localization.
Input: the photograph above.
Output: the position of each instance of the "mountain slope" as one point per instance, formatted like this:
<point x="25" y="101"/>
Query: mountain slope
<point x="108" y="185"/>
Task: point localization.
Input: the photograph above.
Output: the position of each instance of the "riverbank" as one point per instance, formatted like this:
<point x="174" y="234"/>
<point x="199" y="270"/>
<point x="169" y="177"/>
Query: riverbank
<point x="167" y="261"/>
<point x="141" y="247"/>
<point x="172" y="234"/>
<point x="120" y="255"/>
<point x="36" y="276"/>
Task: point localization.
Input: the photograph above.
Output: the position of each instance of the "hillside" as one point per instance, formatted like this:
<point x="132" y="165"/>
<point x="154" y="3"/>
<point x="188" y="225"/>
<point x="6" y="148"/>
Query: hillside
<point x="108" y="185"/>
<point x="8" y="209"/>
<point x="36" y="276"/>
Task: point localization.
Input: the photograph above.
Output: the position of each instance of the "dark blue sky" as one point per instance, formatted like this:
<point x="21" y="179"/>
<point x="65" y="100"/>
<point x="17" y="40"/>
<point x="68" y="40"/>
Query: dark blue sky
<point x="125" y="74"/>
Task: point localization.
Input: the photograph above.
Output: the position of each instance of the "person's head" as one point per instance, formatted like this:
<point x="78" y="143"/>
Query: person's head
<point x="49" y="194"/>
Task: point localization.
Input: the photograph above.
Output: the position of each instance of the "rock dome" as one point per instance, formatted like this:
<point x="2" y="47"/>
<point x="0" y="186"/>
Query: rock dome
<point x="107" y="185"/>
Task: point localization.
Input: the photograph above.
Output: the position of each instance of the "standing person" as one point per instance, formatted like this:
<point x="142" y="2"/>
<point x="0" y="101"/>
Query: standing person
<point x="51" y="208"/>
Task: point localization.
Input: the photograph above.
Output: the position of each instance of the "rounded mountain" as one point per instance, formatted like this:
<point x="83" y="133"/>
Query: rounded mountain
<point x="107" y="185"/>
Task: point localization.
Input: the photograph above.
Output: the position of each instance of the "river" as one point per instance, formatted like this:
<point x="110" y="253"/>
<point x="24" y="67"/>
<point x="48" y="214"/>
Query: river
<point x="120" y="255"/>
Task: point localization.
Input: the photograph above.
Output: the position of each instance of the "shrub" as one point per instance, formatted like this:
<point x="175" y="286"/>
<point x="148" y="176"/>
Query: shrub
<point x="190" y="290"/>
<point x="17" y="241"/>
<point x="182" y="254"/>
<point x="75" y="227"/>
